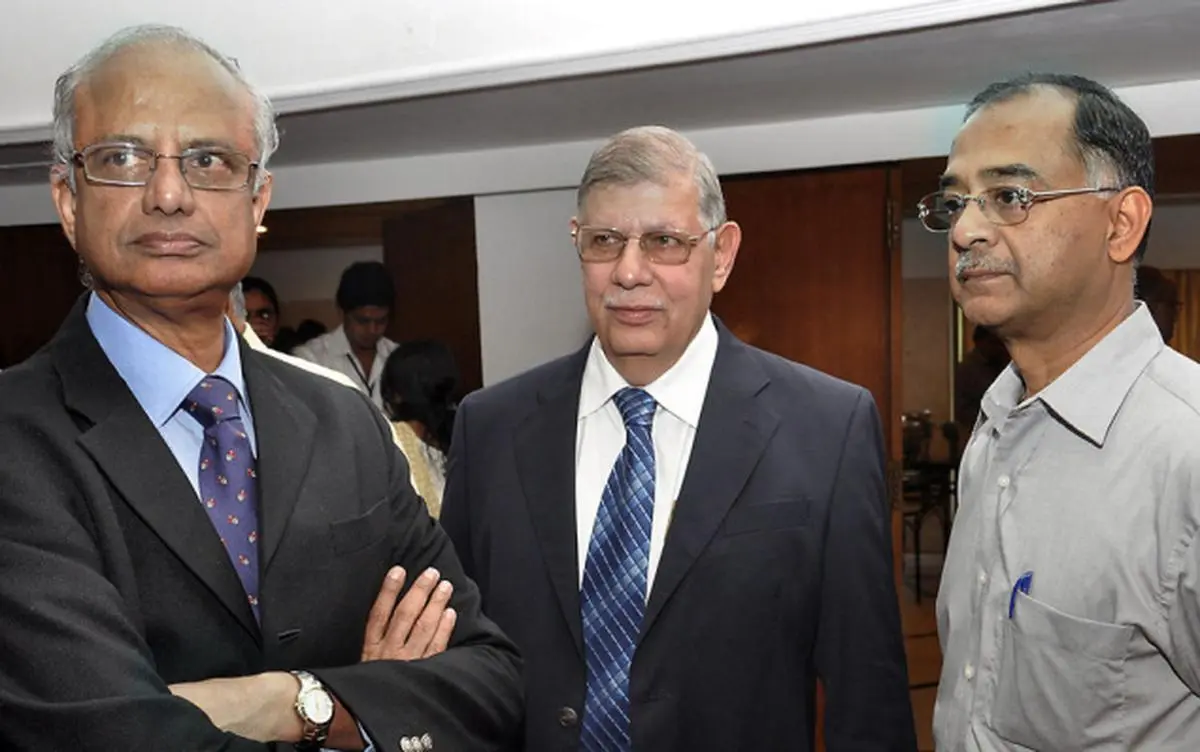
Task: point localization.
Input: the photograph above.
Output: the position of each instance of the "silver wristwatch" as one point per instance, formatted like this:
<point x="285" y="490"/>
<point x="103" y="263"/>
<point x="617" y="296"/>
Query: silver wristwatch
<point x="315" y="707"/>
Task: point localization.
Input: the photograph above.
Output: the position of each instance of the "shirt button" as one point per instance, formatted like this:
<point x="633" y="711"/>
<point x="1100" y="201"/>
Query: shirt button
<point x="969" y="672"/>
<point x="982" y="577"/>
<point x="1002" y="481"/>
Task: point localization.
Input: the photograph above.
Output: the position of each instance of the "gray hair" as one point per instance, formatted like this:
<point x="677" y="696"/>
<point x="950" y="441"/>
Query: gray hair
<point x="65" y="88"/>
<point x="237" y="297"/>
<point x="654" y="154"/>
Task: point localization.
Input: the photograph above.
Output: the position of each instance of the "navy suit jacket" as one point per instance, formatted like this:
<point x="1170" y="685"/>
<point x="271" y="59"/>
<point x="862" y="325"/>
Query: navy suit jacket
<point x="776" y="570"/>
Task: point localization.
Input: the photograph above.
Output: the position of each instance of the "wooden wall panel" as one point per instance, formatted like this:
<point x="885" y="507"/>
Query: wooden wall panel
<point x="332" y="226"/>
<point x="431" y="255"/>
<point x="813" y="279"/>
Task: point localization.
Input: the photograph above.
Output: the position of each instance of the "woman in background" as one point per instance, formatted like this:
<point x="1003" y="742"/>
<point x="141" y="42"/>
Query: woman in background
<point x="418" y="384"/>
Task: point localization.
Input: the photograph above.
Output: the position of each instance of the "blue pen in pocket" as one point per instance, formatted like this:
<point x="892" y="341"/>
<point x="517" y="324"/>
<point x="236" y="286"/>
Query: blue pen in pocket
<point x="1022" y="584"/>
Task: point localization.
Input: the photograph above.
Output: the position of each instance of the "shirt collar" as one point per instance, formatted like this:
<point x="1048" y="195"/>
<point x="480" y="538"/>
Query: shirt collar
<point x="680" y="391"/>
<point x="1088" y="396"/>
<point x="159" y="377"/>
<point x="339" y="345"/>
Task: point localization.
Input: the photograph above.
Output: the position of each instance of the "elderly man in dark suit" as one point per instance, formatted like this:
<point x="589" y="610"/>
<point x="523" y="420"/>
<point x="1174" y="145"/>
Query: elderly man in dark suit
<point x="193" y="534"/>
<point x="680" y="532"/>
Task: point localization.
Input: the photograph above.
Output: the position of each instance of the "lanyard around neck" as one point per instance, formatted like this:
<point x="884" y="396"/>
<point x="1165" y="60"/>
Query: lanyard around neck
<point x="370" y="387"/>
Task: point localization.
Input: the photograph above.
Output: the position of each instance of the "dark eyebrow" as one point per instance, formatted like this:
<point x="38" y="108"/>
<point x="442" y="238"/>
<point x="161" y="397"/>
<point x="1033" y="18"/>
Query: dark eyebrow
<point x="947" y="181"/>
<point x="1022" y="171"/>
<point x="1017" y="170"/>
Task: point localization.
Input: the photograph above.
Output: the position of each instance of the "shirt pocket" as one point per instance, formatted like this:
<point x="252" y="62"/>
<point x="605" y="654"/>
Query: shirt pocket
<point x="1061" y="680"/>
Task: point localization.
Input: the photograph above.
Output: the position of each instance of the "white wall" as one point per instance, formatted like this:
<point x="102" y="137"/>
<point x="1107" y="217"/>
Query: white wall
<point x="530" y="292"/>
<point x="310" y="274"/>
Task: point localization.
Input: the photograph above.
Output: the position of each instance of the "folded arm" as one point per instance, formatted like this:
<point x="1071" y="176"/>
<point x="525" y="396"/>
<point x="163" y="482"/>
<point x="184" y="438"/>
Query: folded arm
<point x="469" y="696"/>
<point x="76" y="672"/>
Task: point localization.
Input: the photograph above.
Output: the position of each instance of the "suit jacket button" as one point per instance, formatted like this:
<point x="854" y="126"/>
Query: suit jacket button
<point x="567" y="717"/>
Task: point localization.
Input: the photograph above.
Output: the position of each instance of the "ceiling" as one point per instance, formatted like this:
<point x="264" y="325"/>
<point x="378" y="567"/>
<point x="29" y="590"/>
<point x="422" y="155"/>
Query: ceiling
<point x="313" y="54"/>
<point x="1122" y="43"/>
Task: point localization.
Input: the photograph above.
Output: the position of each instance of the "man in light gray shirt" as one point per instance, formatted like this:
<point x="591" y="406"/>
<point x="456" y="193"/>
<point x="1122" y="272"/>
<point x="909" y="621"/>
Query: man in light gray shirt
<point x="1068" y="612"/>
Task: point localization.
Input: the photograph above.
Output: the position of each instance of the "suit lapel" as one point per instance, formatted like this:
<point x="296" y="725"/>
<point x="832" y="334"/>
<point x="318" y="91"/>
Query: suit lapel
<point x="131" y="453"/>
<point x="733" y="432"/>
<point x="284" y="428"/>
<point x="545" y="451"/>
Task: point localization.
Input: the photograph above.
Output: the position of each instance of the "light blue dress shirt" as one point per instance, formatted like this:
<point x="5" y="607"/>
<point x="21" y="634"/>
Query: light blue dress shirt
<point x="161" y="379"/>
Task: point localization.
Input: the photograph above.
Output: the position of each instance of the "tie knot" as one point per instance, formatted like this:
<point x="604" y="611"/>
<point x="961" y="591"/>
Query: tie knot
<point x="213" y="401"/>
<point x="636" y="406"/>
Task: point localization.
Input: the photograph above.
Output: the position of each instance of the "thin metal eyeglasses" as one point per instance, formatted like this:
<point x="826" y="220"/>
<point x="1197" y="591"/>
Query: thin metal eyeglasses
<point x="1003" y="205"/>
<point x="207" y="168"/>
<point x="603" y="244"/>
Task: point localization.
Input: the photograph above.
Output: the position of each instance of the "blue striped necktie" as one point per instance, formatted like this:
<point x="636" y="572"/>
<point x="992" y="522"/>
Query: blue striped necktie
<point x="613" y="597"/>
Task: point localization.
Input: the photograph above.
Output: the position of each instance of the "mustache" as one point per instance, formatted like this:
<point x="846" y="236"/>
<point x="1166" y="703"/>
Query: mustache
<point x="969" y="261"/>
<point x="632" y="301"/>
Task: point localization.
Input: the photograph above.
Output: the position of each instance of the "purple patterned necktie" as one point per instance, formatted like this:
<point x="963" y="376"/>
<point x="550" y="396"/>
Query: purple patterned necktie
<point x="228" y="480"/>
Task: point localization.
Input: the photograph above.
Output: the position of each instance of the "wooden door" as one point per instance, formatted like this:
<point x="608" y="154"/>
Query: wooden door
<point x="813" y="281"/>
<point x="818" y="281"/>
<point x="430" y="252"/>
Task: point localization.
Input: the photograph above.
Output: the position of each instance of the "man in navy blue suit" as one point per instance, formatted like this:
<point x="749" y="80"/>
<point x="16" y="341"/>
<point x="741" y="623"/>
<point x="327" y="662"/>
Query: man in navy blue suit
<point x="681" y="533"/>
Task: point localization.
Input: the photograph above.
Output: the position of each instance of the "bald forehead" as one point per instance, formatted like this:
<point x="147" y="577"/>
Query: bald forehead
<point x="1028" y="137"/>
<point x="163" y="62"/>
<point x="163" y="86"/>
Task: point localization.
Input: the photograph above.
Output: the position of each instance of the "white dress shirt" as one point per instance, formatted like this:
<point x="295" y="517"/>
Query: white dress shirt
<point x="256" y="344"/>
<point x="601" y="436"/>
<point x="332" y="350"/>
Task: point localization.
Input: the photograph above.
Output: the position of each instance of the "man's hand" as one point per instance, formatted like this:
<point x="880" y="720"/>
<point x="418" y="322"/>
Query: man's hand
<point x="419" y="627"/>
<point x="260" y="707"/>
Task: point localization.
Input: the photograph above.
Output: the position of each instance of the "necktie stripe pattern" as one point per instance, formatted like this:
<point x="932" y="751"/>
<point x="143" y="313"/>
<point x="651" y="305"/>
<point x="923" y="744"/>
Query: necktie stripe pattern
<point x="228" y="479"/>
<point x="613" y="596"/>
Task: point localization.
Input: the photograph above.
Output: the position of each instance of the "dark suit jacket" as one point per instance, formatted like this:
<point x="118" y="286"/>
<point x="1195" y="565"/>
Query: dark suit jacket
<point x="113" y="583"/>
<point x="776" y="568"/>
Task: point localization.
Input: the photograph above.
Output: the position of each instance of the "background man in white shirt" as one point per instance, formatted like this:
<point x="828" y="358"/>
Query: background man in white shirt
<point x="680" y="531"/>
<point x="358" y="348"/>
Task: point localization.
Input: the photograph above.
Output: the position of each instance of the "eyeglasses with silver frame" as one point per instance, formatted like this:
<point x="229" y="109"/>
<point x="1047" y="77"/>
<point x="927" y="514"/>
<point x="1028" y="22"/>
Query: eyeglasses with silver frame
<point x="604" y="244"/>
<point x="206" y="168"/>
<point x="1003" y="205"/>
